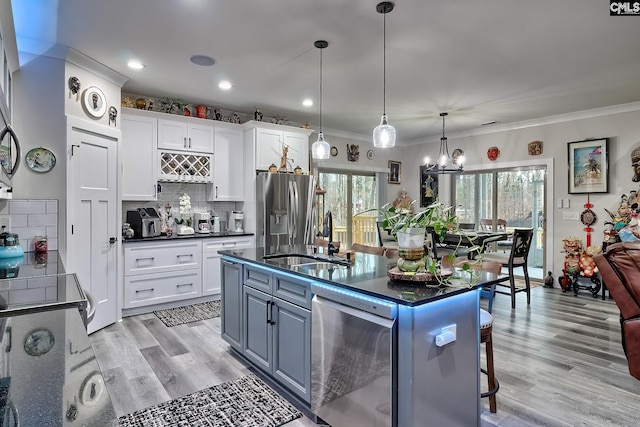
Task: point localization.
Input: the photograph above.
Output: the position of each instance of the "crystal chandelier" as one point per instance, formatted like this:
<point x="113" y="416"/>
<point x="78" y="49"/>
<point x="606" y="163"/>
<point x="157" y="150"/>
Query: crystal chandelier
<point x="446" y="163"/>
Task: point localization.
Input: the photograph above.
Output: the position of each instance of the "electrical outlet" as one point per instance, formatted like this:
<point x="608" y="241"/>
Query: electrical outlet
<point x="5" y="223"/>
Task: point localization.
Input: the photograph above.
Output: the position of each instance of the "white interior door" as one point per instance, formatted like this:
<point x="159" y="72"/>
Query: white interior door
<point x="92" y="201"/>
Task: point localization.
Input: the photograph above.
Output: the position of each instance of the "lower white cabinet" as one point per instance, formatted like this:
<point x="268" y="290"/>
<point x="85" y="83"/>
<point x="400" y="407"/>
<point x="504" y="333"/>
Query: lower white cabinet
<point x="157" y="272"/>
<point x="158" y="288"/>
<point x="211" y="266"/>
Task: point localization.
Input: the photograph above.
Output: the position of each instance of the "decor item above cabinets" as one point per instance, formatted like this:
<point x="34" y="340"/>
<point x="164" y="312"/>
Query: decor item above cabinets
<point x="184" y="135"/>
<point x="228" y="171"/>
<point x="178" y="166"/>
<point x="269" y="140"/>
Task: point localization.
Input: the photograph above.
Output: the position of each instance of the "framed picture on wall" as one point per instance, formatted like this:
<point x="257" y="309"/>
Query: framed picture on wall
<point x="588" y="166"/>
<point x="394" y="172"/>
<point x="428" y="186"/>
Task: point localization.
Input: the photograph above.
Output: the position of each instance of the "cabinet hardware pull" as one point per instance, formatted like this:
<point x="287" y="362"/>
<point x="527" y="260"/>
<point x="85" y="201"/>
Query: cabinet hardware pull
<point x="189" y="255"/>
<point x="271" y="321"/>
<point x="151" y="258"/>
<point x="189" y="142"/>
<point x="268" y="313"/>
<point x="216" y="191"/>
<point x="185" y="284"/>
<point x="185" y="142"/>
<point x="144" y="290"/>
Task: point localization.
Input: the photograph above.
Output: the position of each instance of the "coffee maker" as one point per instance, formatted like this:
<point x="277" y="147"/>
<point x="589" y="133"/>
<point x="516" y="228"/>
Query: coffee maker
<point x="236" y="221"/>
<point x="201" y="222"/>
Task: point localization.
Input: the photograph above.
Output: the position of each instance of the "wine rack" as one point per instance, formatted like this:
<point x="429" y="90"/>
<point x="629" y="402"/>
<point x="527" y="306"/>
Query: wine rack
<point x="185" y="167"/>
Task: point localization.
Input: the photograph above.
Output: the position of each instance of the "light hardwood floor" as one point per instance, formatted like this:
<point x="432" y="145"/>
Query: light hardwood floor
<point x="559" y="362"/>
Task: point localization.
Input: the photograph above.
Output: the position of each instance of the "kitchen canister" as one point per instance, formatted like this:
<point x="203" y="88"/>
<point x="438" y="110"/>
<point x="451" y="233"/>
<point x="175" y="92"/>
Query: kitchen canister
<point x="40" y="244"/>
<point x="215" y="226"/>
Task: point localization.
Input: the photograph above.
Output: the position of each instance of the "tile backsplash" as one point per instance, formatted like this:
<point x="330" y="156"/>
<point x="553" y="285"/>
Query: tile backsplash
<point x="30" y="218"/>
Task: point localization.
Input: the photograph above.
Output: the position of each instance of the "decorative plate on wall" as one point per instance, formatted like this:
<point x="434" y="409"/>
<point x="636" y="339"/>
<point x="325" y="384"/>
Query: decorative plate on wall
<point x="94" y="102"/>
<point x="370" y="155"/>
<point x="334" y="151"/>
<point x="40" y="160"/>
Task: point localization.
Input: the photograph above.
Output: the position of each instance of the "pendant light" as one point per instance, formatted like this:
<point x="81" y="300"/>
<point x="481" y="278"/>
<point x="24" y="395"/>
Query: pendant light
<point x="384" y="135"/>
<point x="446" y="163"/>
<point x="320" y="148"/>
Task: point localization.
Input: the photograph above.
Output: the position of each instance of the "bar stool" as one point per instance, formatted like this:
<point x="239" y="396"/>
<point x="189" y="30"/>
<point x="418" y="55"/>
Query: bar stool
<point x="486" y="325"/>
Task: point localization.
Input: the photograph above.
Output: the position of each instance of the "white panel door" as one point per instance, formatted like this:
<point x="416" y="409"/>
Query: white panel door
<point x="228" y="171"/>
<point x="91" y="246"/>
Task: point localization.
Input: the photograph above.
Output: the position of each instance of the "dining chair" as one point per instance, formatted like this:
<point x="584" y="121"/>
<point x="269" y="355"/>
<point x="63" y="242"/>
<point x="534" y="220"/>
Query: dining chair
<point x="386" y="239"/>
<point x="517" y="257"/>
<point x="375" y="250"/>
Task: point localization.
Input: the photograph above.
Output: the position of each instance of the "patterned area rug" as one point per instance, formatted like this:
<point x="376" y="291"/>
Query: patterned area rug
<point x="246" y="402"/>
<point x="189" y="313"/>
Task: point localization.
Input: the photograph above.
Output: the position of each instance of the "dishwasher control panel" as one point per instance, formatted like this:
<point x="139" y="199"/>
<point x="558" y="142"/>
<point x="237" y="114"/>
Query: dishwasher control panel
<point x="359" y="301"/>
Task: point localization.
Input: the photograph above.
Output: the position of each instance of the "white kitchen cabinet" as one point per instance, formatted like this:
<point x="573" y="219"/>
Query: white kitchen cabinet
<point x="186" y="134"/>
<point x="157" y="272"/>
<point x="139" y="156"/>
<point x="228" y="170"/>
<point x="181" y="166"/>
<point x="211" y="265"/>
<point x="268" y="140"/>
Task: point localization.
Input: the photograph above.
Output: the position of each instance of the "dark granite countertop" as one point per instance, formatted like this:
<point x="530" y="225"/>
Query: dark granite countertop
<point x="189" y="236"/>
<point x="367" y="274"/>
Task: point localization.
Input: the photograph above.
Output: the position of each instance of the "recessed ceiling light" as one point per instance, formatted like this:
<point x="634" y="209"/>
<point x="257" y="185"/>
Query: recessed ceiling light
<point x="307" y="102"/>
<point x="203" y="60"/>
<point x="224" y="85"/>
<point x="136" y="65"/>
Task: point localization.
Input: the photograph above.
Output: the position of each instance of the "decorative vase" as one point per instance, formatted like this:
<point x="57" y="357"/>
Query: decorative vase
<point x="411" y="238"/>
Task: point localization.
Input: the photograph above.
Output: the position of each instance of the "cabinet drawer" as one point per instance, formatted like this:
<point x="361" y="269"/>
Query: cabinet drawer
<point x="220" y="244"/>
<point x="257" y="278"/>
<point x="162" y="257"/>
<point x="293" y="290"/>
<point x="158" y="288"/>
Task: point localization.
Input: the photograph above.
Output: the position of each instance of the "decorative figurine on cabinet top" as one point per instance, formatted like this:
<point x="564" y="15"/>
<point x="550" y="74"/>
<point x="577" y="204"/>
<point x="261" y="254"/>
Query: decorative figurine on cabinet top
<point x="257" y="115"/>
<point x="141" y="104"/>
<point x="113" y="114"/>
<point x="353" y="152"/>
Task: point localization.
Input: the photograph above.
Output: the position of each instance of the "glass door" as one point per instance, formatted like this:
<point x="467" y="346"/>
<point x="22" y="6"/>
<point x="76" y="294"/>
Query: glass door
<point x="346" y="196"/>
<point x="510" y="198"/>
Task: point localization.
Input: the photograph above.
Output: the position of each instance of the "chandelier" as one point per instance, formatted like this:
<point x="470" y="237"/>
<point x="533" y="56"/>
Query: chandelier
<point x="446" y="163"/>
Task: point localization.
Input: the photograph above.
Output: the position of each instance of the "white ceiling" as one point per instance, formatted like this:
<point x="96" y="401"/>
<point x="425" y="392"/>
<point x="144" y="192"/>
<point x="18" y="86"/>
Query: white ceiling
<point x="502" y="60"/>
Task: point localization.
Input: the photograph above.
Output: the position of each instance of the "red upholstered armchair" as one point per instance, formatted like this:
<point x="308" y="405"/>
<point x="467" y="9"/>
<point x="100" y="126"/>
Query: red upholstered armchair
<point x="620" y="269"/>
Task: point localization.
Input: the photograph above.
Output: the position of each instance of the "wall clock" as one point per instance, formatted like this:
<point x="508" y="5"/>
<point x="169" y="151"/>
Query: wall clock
<point x="38" y="342"/>
<point x="94" y="102"/>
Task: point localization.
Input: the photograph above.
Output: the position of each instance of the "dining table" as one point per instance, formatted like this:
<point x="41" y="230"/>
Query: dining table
<point x="477" y="240"/>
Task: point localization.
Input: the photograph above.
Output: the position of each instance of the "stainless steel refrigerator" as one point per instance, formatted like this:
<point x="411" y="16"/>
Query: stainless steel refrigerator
<point x="285" y="209"/>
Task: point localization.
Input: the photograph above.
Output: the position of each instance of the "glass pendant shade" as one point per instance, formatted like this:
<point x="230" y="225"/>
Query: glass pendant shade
<point x="384" y="135"/>
<point x="320" y="148"/>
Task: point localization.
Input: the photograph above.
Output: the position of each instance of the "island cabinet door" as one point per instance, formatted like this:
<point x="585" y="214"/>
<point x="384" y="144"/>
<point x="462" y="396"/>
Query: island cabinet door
<point x="232" y="303"/>
<point x="292" y="347"/>
<point x="258" y="332"/>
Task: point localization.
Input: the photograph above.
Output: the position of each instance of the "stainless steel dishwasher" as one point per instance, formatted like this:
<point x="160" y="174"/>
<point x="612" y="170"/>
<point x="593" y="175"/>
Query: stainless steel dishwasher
<point x="353" y="356"/>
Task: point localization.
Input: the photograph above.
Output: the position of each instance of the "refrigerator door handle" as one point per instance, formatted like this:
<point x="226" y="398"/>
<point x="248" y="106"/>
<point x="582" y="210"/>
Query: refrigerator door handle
<point x="293" y="205"/>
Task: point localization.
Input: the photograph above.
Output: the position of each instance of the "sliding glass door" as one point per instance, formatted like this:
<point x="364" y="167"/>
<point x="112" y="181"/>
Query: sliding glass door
<point x="347" y="195"/>
<point x="515" y="197"/>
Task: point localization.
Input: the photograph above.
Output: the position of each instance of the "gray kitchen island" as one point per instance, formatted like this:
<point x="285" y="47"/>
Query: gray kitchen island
<point x="352" y="346"/>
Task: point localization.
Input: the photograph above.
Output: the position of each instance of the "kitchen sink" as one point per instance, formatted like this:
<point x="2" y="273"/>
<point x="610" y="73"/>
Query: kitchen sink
<point x="316" y="266"/>
<point x="297" y="260"/>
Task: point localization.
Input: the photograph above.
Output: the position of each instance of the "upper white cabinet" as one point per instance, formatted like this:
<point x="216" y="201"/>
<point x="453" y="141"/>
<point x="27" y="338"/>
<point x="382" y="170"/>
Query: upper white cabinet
<point x="228" y="170"/>
<point x="185" y="134"/>
<point x="139" y="156"/>
<point x="269" y="142"/>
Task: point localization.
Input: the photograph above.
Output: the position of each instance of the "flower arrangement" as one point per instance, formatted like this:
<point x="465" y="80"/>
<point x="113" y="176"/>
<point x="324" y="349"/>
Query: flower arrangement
<point x="185" y="210"/>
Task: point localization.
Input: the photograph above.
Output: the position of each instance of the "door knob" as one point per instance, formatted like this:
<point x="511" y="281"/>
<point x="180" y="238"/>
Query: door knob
<point x="112" y="240"/>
